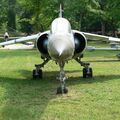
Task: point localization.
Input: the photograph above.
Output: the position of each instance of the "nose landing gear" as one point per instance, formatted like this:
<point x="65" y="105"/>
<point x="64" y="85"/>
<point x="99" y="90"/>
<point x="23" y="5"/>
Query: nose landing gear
<point x="62" y="89"/>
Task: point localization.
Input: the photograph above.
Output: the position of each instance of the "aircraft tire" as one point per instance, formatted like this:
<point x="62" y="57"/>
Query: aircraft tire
<point x="65" y="90"/>
<point x="91" y="73"/>
<point x="37" y="74"/>
<point x="84" y="73"/>
<point x="87" y="74"/>
<point x="59" y="90"/>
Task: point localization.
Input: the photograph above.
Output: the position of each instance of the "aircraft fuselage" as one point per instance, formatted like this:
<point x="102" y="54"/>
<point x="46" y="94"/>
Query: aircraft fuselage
<point x="60" y="40"/>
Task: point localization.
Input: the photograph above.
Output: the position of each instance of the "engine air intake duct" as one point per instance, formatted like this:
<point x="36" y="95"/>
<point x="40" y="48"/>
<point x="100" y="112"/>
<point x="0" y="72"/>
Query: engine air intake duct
<point x="80" y="42"/>
<point x="42" y="44"/>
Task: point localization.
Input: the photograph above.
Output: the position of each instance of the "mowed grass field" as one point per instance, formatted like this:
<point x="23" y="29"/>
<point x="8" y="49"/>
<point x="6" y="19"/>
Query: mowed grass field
<point x="22" y="98"/>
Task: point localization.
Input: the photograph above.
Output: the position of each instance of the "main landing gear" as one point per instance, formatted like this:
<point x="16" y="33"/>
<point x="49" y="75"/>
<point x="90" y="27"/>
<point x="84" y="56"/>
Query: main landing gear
<point x="62" y="88"/>
<point x="37" y="73"/>
<point x="87" y="71"/>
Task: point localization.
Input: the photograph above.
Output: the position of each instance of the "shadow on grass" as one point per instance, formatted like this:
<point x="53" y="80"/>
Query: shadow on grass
<point x="95" y="79"/>
<point x="27" y="99"/>
<point x="51" y="76"/>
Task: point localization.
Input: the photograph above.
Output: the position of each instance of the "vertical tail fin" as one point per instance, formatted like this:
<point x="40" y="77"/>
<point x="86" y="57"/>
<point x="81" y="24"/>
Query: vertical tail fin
<point x="61" y="11"/>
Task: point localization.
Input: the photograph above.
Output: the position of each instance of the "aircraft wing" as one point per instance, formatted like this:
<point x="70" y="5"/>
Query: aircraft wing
<point x="10" y="37"/>
<point x="91" y="48"/>
<point x="32" y="37"/>
<point x="91" y="36"/>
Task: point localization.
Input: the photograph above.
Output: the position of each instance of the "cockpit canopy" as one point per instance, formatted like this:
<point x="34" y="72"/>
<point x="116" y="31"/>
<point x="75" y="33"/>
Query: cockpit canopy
<point x="60" y="25"/>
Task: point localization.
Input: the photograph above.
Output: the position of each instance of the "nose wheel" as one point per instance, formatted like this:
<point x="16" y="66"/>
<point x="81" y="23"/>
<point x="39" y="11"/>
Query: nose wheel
<point x="61" y="90"/>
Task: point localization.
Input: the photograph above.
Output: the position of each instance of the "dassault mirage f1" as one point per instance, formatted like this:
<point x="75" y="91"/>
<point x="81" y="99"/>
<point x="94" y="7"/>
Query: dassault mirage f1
<point x="61" y="44"/>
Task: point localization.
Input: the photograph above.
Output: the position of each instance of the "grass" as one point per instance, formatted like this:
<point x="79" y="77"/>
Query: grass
<point x="22" y="98"/>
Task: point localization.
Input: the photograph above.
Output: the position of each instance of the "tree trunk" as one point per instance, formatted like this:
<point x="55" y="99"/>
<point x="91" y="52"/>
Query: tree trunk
<point x="11" y="25"/>
<point x="103" y="27"/>
<point x="80" y="21"/>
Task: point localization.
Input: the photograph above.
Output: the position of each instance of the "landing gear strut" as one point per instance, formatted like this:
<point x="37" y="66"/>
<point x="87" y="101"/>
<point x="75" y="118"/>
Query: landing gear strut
<point x="62" y="89"/>
<point x="37" y="73"/>
<point x="87" y="71"/>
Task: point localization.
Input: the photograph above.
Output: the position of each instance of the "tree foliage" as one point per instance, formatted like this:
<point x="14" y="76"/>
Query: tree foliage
<point x="11" y="15"/>
<point x="3" y="14"/>
<point x="36" y="15"/>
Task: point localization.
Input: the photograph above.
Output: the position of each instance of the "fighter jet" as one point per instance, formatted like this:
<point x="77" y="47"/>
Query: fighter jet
<point x="61" y="44"/>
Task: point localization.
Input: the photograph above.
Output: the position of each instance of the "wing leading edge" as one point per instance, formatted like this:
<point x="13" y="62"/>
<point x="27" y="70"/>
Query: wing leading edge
<point x="27" y="38"/>
<point x="91" y="48"/>
<point x="91" y="36"/>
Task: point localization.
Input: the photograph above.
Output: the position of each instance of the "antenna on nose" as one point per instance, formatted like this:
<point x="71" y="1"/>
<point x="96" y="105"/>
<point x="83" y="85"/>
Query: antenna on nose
<point x="61" y="11"/>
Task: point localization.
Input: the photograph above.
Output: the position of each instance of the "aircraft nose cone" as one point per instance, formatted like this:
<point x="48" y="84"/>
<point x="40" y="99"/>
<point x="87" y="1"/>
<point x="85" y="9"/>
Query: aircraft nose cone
<point x="60" y="48"/>
<point x="56" y="49"/>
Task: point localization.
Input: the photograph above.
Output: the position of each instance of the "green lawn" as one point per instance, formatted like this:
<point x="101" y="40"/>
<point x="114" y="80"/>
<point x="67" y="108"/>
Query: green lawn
<point x="22" y="98"/>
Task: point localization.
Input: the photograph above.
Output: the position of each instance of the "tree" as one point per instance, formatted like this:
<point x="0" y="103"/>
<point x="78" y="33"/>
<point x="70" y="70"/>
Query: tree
<point x="79" y="10"/>
<point x="37" y="15"/>
<point x="11" y="15"/>
<point x="108" y="15"/>
<point x="3" y="17"/>
<point x="25" y="22"/>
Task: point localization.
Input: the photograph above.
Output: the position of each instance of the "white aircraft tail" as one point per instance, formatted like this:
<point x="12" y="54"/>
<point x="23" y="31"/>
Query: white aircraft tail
<point x="61" y="11"/>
